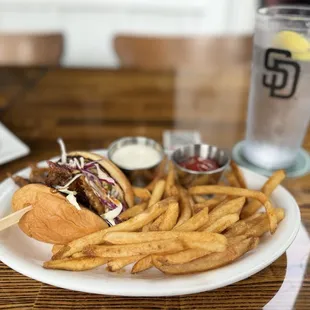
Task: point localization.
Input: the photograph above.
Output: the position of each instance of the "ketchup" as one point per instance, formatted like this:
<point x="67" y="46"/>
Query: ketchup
<point x="197" y="163"/>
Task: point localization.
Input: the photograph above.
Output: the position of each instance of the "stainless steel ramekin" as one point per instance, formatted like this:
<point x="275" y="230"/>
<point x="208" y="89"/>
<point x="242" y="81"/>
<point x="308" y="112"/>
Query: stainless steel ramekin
<point x="143" y="176"/>
<point x="190" y="178"/>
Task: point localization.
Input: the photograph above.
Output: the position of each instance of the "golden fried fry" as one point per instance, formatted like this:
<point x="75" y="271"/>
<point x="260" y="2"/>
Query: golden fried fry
<point x="262" y="227"/>
<point x="236" y="239"/>
<point x="207" y="262"/>
<point x="194" y="222"/>
<point x="185" y="207"/>
<point x="119" y="238"/>
<point x="157" y="193"/>
<point x="211" y="242"/>
<point x="142" y="264"/>
<point x="233" y="206"/>
<point x="56" y="248"/>
<point x="231" y="178"/>
<point x="155" y="225"/>
<point x="210" y="203"/>
<point x="121" y="262"/>
<point x="78" y="255"/>
<point x="170" y="181"/>
<point x="183" y="256"/>
<point x="133" y="211"/>
<point x="242" y="226"/>
<point x="238" y="174"/>
<point x="142" y="193"/>
<point x="267" y="189"/>
<point x="170" y="217"/>
<point x="76" y="264"/>
<point x="145" y="248"/>
<point x="223" y="223"/>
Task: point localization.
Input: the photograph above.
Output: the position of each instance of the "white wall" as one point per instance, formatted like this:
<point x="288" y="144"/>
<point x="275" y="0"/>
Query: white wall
<point x="89" y="26"/>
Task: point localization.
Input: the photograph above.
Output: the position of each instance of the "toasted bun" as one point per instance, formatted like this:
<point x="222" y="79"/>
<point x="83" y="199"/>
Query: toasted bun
<point x="53" y="219"/>
<point x="113" y="171"/>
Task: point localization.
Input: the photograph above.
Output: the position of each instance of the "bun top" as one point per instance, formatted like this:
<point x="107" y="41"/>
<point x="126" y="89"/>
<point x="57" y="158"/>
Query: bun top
<point x="53" y="219"/>
<point x="113" y="171"/>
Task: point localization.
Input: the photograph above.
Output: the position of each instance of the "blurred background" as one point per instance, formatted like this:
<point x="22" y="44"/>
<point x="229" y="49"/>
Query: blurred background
<point x="83" y="33"/>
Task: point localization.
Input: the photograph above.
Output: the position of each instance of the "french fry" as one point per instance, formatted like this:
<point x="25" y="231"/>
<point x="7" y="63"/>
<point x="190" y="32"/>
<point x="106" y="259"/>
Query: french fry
<point x="236" y="239"/>
<point x="233" y="191"/>
<point x="56" y="248"/>
<point x="121" y="262"/>
<point x="78" y="255"/>
<point x="76" y="264"/>
<point x="233" y="206"/>
<point x="155" y="225"/>
<point x="170" y="217"/>
<point x="157" y="193"/>
<point x="122" y="238"/>
<point x="145" y="248"/>
<point x="170" y="179"/>
<point x="133" y="224"/>
<point x="253" y="217"/>
<point x="174" y="191"/>
<point x="224" y="201"/>
<point x="223" y="223"/>
<point x="133" y="211"/>
<point x="142" y="193"/>
<point x="147" y="227"/>
<point x="207" y="262"/>
<point x="194" y="222"/>
<point x="211" y="242"/>
<point x="210" y="203"/>
<point x="182" y="257"/>
<point x="142" y="264"/>
<point x="270" y="185"/>
<point x="237" y="229"/>
<point x="238" y="174"/>
<point x="231" y="179"/>
<point x="242" y="226"/>
<point x="185" y="207"/>
<point x="200" y="199"/>
<point x="262" y="227"/>
<point x="160" y="173"/>
<point x="200" y="180"/>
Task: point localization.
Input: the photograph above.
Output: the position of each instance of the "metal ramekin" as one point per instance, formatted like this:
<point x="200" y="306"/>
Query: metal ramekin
<point x="190" y="178"/>
<point x="141" y="176"/>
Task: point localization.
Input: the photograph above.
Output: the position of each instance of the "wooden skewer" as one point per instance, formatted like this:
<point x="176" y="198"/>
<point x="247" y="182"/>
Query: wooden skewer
<point x="13" y="218"/>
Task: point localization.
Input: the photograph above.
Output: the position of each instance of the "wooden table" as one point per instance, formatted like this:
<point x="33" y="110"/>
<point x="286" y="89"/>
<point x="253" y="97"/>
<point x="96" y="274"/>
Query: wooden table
<point x="91" y="108"/>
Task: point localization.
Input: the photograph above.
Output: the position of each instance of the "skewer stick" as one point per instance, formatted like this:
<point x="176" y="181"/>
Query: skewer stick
<point x="13" y="218"/>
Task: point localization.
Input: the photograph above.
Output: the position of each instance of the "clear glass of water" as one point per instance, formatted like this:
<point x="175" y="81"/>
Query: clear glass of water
<point x="279" y="101"/>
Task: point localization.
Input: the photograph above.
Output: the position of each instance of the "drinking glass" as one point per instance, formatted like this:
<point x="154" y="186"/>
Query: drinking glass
<point x="279" y="100"/>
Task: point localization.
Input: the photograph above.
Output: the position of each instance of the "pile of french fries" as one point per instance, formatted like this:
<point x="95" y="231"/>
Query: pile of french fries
<point x="179" y="230"/>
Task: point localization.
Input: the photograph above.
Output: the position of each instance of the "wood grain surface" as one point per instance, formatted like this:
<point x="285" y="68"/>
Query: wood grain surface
<point x="91" y="108"/>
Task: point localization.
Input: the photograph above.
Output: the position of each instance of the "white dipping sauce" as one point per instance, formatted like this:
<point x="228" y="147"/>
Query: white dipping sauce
<point x="136" y="156"/>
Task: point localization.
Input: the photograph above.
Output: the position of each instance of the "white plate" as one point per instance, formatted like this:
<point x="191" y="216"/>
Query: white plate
<point x="26" y="256"/>
<point x="10" y="146"/>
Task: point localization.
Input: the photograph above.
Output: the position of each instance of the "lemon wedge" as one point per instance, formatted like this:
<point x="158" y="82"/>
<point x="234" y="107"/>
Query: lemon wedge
<point x="296" y="43"/>
<point x="292" y="41"/>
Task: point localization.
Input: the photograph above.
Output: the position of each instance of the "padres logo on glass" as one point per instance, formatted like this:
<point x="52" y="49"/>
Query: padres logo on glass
<point x="283" y="73"/>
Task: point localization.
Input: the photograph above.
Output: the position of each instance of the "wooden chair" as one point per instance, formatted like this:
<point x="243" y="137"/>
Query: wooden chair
<point x="30" y="49"/>
<point x="171" y="53"/>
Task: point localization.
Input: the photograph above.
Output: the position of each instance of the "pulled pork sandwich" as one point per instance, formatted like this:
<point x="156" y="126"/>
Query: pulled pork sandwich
<point x="79" y="194"/>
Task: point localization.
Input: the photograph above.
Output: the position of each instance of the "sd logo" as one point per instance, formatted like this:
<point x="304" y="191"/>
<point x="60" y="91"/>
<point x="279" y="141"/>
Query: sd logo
<point x="281" y="70"/>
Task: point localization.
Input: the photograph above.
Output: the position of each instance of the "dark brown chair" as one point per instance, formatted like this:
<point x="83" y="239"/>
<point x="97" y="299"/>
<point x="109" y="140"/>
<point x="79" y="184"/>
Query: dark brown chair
<point x="30" y="49"/>
<point x="170" y="53"/>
